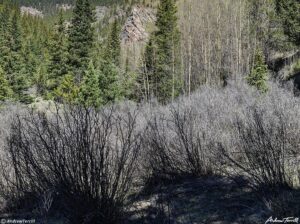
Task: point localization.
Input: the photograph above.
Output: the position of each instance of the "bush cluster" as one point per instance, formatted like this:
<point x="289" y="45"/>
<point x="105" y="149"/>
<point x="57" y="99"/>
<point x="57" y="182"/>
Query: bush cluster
<point x="87" y="160"/>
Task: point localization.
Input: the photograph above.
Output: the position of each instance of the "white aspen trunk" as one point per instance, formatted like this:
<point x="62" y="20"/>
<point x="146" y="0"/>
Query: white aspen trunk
<point x="173" y="70"/>
<point x="189" y="49"/>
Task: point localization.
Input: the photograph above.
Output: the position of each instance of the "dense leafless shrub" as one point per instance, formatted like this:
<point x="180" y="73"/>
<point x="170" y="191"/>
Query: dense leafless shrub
<point x="181" y="137"/>
<point x="7" y="114"/>
<point x="262" y="150"/>
<point x="177" y="145"/>
<point x="234" y="130"/>
<point x="266" y="146"/>
<point x="88" y="157"/>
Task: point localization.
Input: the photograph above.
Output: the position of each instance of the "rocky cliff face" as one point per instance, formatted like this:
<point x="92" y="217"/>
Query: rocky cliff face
<point x="135" y="34"/>
<point x="135" y="27"/>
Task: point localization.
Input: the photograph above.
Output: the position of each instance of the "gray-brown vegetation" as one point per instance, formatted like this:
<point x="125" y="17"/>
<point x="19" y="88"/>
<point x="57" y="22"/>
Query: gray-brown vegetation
<point x="149" y="111"/>
<point x="92" y="160"/>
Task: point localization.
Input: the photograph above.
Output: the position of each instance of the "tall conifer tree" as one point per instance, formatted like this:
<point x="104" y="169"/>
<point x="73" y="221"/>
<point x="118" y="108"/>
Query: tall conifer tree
<point x="5" y="90"/>
<point x="57" y="67"/>
<point x="289" y="11"/>
<point x="113" y="49"/>
<point x="5" y="28"/>
<point x="108" y="82"/>
<point x="167" y="43"/>
<point x="16" y="69"/>
<point x="90" y="93"/>
<point x="259" y="73"/>
<point x="81" y="38"/>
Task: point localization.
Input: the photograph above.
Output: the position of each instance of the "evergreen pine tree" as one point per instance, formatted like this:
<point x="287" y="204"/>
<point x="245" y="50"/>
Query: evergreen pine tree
<point x="5" y="90"/>
<point x="58" y="56"/>
<point x="113" y="49"/>
<point x="81" y="38"/>
<point x="108" y="82"/>
<point x="167" y="44"/>
<point x="16" y="69"/>
<point x="5" y="28"/>
<point x="68" y="90"/>
<point x="40" y="80"/>
<point x="259" y="73"/>
<point x="90" y="94"/>
<point x="289" y="11"/>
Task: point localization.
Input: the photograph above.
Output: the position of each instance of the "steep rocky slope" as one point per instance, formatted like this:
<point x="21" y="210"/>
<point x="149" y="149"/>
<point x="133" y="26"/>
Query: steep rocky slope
<point x="135" y="28"/>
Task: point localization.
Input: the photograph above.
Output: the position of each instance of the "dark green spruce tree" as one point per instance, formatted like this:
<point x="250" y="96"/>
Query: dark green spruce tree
<point x="16" y="69"/>
<point x="81" y="38"/>
<point x="113" y="49"/>
<point x="289" y="12"/>
<point x="108" y="82"/>
<point x="259" y="74"/>
<point x="167" y="44"/>
<point x="5" y="90"/>
<point x="90" y="93"/>
<point x="57" y="66"/>
<point x="5" y="32"/>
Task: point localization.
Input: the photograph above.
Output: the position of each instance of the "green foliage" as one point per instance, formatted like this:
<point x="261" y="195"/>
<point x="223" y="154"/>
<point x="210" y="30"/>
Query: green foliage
<point x="20" y="87"/>
<point x="90" y="93"/>
<point x="81" y="38"/>
<point x="35" y="54"/>
<point x="16" y="69"/>
<point x="21" y="49"/>
<point x="5" y="39"/>
<point x="57" y="67"/>
<point x="108" y="82"/>
<point x="128" y="85"/>
<point x="5" y="90"/>
<point x="259" y="74"/>
<point x="40" y="80"/>
<point x="113" y="49"/>
<point x="296" y="67"/>
<point x="289" y="11"/>
<point x="164" y="68"/>
<point x="68" y="90"/>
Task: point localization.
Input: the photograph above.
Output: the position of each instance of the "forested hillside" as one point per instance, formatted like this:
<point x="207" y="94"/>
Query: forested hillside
<point x="204" y="42"/>
<point x="149" y="111"/>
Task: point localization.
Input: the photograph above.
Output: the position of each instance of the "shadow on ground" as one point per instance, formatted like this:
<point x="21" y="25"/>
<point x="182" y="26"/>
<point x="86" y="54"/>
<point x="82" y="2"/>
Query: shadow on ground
<point x="204" y="200"/>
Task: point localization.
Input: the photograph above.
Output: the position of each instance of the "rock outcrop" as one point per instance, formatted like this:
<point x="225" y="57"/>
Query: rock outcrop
<point x="135" y="26"/>
<point x="31" y="11"/>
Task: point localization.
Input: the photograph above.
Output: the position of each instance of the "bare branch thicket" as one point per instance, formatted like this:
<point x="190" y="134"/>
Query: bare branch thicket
<point x="88" y="157"/>
<point x="178" y="145"/>
<point x="257" y="135"/>
<point x="266" y="148"/>
<point x="7" y="113"/>
<point x="162" y="162"/>
<point x="193" y="141"/>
